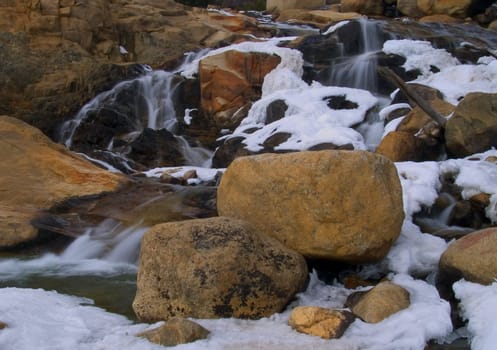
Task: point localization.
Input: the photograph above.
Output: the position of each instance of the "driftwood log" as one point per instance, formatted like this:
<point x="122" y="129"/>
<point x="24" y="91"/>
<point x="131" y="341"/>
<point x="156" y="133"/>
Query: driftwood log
<point x="413" y="97"/>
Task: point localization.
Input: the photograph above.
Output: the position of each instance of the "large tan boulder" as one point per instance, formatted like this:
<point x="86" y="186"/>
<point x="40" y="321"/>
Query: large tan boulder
<point x="473" y="257"/>
<point x="342" y="205"/>
<point x="213" y="268"/>
<point x="230" y="82"/>
<point x="36" y="173"/>
<point x="382" y="301"/>
<point x="473" y="126"/>
<point x="320" y="322"/>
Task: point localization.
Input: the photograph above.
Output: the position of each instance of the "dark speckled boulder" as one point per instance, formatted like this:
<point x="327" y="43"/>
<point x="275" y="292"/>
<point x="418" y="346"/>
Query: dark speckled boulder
<point x="214" y="268"/>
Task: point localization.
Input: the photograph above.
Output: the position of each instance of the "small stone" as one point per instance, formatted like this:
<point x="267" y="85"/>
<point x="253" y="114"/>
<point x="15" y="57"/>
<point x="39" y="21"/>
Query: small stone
<point x="190" y="174"/>
<point x="169" y="179"/>
<point x="320" y="322"/>
<point x="381" y="302"/>
<point x="3" y="325"/>
<point x="176" y="331"/>
<point x="491" y="159"/>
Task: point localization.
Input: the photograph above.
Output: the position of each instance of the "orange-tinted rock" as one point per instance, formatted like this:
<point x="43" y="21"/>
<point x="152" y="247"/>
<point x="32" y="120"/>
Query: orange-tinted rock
<point x="472" y="257"/>
<point x="320" y="322"/>
<point x="305" y="200"/>
<point x="230" y="81"/>
<point x="37" y="173"/>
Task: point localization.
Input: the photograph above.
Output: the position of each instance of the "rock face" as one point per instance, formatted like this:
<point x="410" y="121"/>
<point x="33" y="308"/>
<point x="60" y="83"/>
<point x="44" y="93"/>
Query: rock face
<point x="366" y="7"/>
<point x="176" y="331"/>
<point x="418" y="8"/>
<point x="381" y="302"/>
<point x="473" y="257"/>
<point x="473" y="126"/>
<point x="212" y="268"/>
<point x="57" y="55"/>
<point x="230" y="81"/>
<point x="320" y="322"/>
<point x="293" y="4"/>
<point x="36" y="174"/>
<point x="341" y="205"/>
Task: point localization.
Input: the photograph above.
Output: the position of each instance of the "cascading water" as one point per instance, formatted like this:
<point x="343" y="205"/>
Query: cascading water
<point x="359" y="70"/>
<point x="129" y="108"/>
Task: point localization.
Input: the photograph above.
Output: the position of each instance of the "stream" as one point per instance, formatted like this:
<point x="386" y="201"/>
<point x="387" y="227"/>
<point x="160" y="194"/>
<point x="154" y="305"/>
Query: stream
<point x="101" y="264"/>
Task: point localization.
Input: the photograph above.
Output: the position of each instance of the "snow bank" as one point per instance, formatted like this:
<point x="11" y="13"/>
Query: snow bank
<point x="479" y="307"/>
<point x="457" y="81"/>
<point x="308" y="119"/>
<point x="454" y="80"/>
<point x="420" y="55"/>
<point x="38" y="319"/>
<point x="60" y="322"/>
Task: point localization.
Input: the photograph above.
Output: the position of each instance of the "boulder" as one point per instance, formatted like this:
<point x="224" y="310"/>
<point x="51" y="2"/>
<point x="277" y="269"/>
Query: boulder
<point x="156" y="148"/>
<point x="339" y="205"/>
<point x="473" y="126"/>
<point x="281" y="5"/>
<point x="400" y="146"/>
<point x="176" y="331"/>
<point x="320" y="322"/>
<point x="472" y="257"/>
<point x="317" y="18"/>
<point x="409" y="8"/>
<point x="456" y="8"/>
<point x="229" y="150"/>
<point x="380" y="302"/>
<point x="365" y="7"/>
<point x="37" y="174"/>
<point x="213" y="268"/>
<point x="230" y="82"/>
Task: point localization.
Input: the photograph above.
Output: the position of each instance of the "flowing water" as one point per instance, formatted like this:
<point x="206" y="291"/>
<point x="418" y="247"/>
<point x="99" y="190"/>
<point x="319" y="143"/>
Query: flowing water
<point x="149" y="103"/>
<point x="359" y="70"/>
<point x="101" y="265"/>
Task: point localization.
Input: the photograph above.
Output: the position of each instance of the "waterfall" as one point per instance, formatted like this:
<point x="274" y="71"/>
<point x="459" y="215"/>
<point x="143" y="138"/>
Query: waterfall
<point x="359" y="70"/>
<point x="109" y="241"/>
<point x="133" y="105"/>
